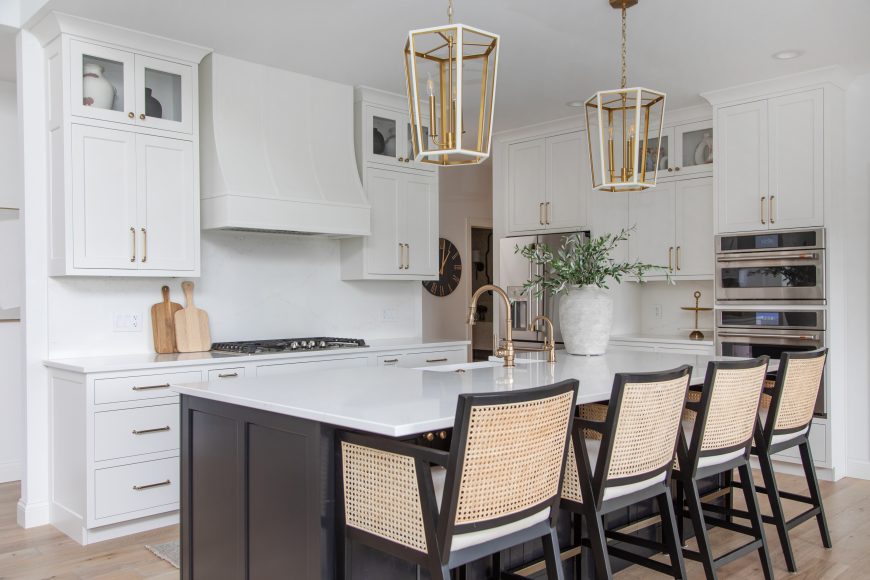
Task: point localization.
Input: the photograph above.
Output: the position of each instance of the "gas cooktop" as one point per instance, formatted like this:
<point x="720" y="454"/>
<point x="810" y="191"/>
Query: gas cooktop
<point x="288" y="345"/>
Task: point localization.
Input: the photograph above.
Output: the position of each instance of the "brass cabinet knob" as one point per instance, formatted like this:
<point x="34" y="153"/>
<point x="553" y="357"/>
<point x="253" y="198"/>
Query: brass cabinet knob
<point x="676" y="168"/>
<point x="142" y="116"/>
<point x="401" y="159"/>
<point x="669" y="169"/>
<point x="130" y="114"/>
<point x="429" y="436"/>
<point x="442" y="435"/>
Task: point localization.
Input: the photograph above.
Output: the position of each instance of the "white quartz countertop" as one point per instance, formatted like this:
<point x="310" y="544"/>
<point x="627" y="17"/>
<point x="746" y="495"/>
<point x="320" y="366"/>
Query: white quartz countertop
<point x="681" y="339"/>
<point x="153" y="361"/>
<point x="397" y="402"/>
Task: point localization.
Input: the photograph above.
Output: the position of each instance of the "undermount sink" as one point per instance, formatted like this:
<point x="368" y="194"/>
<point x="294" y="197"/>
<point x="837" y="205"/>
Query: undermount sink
<point x="475" y="365"/>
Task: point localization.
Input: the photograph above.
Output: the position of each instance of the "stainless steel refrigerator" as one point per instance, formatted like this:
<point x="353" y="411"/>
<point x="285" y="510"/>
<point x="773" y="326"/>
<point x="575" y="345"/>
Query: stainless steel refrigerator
<point x="514" y="271"/>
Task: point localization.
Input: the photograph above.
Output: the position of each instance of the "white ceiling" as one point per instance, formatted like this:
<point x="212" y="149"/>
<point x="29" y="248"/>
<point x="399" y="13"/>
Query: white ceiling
<point x="553" y="51"/>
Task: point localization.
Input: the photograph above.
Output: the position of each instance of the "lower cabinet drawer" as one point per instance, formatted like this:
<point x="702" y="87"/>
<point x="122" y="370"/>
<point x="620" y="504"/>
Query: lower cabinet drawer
<point x="225" y="374"/>
<point x="129" y="432"/>
<point x="431" y="358"/>
<point x="136" y="487"/>
<point x="140" y="387"/>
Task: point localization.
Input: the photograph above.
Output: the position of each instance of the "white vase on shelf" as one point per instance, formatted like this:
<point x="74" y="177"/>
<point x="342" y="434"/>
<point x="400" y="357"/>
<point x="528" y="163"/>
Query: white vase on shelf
<point x="97" y="91"/>
<point x="585" y="319"/>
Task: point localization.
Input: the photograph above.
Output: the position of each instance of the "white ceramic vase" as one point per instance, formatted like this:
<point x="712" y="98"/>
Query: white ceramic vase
<point x="96" y="90"/>
<point x="585" y="319"/>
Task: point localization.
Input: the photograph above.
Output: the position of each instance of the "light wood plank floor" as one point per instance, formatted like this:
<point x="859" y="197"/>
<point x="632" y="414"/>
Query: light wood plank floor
<point x="43" y="553"/>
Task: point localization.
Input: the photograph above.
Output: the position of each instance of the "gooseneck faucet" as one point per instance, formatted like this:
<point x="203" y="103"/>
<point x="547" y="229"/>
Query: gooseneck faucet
<point x="549" y="345"/>
<point x="506" y="350"/>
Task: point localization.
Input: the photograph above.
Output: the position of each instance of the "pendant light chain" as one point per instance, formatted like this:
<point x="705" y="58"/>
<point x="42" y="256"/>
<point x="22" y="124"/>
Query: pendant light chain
<point x="624" y="50"/>
<point x="450" y="11"/>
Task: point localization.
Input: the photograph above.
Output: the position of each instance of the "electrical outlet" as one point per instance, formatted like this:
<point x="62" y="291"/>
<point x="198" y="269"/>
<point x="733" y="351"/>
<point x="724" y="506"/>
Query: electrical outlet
<point x="389" y="315"/>
<point x="657" y="309"/>
<point x="127" y="322"/>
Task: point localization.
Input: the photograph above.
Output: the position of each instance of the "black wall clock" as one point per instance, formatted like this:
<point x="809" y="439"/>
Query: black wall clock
<point x="449" y="270"/>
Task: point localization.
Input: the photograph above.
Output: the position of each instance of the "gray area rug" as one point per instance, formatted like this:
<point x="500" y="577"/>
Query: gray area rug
<point x="170" y="551"/>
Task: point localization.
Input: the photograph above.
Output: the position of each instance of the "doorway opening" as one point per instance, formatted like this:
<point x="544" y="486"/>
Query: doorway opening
<point x="481" y="274"/>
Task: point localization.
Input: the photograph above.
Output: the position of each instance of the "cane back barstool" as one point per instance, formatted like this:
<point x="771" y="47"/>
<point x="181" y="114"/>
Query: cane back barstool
<point x="630" y="463"/>
<point x="718" y="425"/>
<point x="785" y="418"/>
<point x="497" y="487"/>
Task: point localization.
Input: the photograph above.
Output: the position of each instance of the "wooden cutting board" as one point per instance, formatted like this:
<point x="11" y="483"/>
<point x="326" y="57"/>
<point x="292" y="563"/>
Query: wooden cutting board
<point x="163" y="323"/>
<point x="191" y="325"/>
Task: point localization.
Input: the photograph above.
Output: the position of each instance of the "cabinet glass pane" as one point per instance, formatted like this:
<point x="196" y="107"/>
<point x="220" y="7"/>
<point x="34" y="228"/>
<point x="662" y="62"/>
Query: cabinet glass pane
<point x="162" y="95"/>
<point x="651" y="153"/>
<point x="102" y="83"/>
<point x="410" y="148"/>
<point x="384" y="136"/>
<point x="697" y="147"/>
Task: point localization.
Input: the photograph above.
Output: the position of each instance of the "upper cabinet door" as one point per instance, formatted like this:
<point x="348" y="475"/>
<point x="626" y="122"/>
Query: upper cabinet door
<point x="385" y="136"/>
<point x="568" y="181"/>
<point x="102" y="83"/>
<point x="652" y="213"/>
<point x="742" y="167"/>
<point x="104" y="220"/>
<point x="795" y="195"/>
<point x="168" y="224"/>
<point x="420" y="224"/>
<point x="608" y="214"/>
<point x="694" y="149"/>
<point x="694" y="205"/>
<point x="666" y="156"/>
<point x="527" y="185"/>
<point x="164" y="94"/>
<point x="384" y="254"/>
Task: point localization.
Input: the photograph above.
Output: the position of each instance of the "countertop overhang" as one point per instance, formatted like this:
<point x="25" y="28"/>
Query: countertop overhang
<point x="399" y="402"/>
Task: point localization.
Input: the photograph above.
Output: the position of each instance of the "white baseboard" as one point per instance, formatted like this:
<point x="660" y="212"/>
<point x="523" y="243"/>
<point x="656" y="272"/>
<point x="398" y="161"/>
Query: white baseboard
<point x="113" y="531"/>
<point x="11" y="471"/>
<point x="859" y="469"/>
<point x="32" y="515"/>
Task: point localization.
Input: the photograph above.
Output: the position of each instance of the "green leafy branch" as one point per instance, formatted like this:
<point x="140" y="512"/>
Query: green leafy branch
<point x="582" y="263"/>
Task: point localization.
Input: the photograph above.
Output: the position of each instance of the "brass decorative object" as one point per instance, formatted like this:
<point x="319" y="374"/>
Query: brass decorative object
<point x="624" y="127"/>
<point x="697" y="334"/>
<point x="451" y="75"/>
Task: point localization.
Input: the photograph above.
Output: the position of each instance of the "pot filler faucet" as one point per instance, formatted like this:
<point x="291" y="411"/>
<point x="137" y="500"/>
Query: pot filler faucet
<point x="506" y="349"/>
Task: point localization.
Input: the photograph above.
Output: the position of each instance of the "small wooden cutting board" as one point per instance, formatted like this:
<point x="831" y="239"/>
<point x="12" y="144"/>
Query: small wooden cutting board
<point x="163" y="323"/>
<point x="191" y="325"/>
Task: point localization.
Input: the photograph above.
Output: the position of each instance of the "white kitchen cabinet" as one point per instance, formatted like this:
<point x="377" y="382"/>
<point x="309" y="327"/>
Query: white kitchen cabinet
<point x="131" y="203"/>
<point x="770" y="163"/>
<point x="608" y="214"/>
<point x="142" y="90"/>
<point x="686" y="150"/>
<point x="674" y="228"/>
<point x="548" y="183"/>
<point x="424" y="358"/>
<point x="404" y="239"/>
<point x="383" y="131"/>
<point x="123" y="146"/>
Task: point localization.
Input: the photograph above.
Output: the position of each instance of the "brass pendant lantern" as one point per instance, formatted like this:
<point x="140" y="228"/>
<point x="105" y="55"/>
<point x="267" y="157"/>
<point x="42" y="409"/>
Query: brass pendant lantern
<point x="624" y="127"/>
<point x="451" y="74"/>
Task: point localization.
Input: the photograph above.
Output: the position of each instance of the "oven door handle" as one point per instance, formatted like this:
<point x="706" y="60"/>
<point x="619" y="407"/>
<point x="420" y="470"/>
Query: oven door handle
<point x="768" y="258"/>
<point x="767" y="335"/>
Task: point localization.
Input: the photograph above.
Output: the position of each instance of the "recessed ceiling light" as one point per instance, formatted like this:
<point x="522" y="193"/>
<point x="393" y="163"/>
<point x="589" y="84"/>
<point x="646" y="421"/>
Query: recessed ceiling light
<point x="575" y="103"/>
<point x="787" y="54"/>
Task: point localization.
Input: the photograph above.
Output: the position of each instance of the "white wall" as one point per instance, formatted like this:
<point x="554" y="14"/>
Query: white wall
<point x="465" y="195"/>
<point x="671" y="298"/>
<point x="253" y="286"/>
<point x="857" y="199"/>
<point x="11" y="383"/>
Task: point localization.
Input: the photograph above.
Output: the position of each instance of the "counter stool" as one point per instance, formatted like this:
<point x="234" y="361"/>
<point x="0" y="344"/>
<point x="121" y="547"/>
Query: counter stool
<point x="630" y="463"/>
<point x="716" y="437"/>
<point x="785" y="418"/>
<point x="497" y="487"/>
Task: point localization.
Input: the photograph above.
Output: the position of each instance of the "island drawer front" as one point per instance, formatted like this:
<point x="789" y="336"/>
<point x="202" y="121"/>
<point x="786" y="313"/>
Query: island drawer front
<point x="130" y="432"/>
<point x="432" y="358"/>
<point x="140" y="388"/>
<point x="136" y="487"/>
<point x="226" y="374"/>
<point x="287" y="368"/>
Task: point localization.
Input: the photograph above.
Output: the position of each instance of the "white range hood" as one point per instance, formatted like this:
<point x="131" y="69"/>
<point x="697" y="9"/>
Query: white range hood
<point x="277" y="152"/>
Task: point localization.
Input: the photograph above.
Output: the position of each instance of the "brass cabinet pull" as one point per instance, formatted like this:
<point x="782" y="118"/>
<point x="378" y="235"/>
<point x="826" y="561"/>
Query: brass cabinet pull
<point x="151" y="485"/>
<point x="142" y="116"/>
<point x="147" y="431"/>
<point x="130" y="114"/>
<point x="401" y="256"/>
<point x="547" y="213"/>
<point x="133" y="238"/>
<point x="391" y="361"/>
<point x="678" y="258"/>
<point x="144" y="245"/>
<point x="541" y="213"/>
<point x="400" y="159"/>
<point x="227" y="375"/>
<point x="151" y="387"/>
<point x="434" y="360"/>
<point x="407" y="255"/>
<point x="772" y="209"/>
<point x="671" y="259"/>
<point x="763" y="219"/>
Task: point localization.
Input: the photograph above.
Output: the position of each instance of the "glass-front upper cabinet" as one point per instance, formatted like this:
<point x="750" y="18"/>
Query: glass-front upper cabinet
<point x="114" y="85"/>
<point x="694" y="147"/>
<point x="666" y="143"/>
<point x="387" y="138"/>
